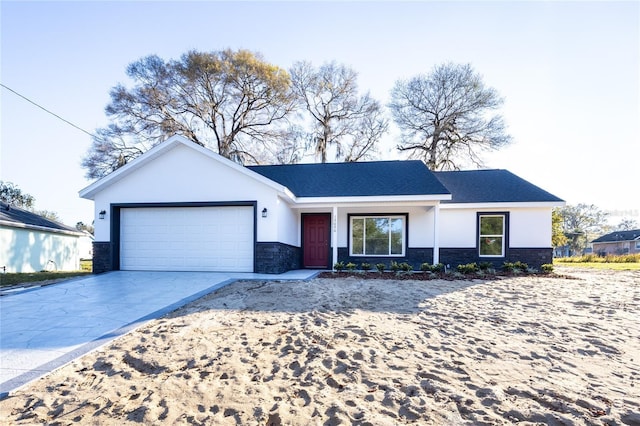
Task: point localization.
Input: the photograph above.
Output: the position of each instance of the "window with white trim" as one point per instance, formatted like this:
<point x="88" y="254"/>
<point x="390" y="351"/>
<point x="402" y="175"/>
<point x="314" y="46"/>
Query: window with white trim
<point x="492" y="235"/>
<point x="377" y="235"/>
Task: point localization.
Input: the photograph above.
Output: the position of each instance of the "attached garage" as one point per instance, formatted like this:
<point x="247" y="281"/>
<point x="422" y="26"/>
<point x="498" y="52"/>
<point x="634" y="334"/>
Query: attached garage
<point x="187" y="238"/>
<point x="182" y="207"/>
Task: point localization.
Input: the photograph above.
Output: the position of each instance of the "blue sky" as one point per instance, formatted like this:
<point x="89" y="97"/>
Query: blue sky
<point x="569" y="73"/>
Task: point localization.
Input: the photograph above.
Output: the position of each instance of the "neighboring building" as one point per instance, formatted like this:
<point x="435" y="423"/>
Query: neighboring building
<point x="181" y="207"/>
<point x="618" y="242"/>
<point x="85" y="246"/>
<point x="32" y="243"/>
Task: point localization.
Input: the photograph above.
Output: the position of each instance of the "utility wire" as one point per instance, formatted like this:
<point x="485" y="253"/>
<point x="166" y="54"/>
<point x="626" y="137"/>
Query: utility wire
<point x="46" y="110"/>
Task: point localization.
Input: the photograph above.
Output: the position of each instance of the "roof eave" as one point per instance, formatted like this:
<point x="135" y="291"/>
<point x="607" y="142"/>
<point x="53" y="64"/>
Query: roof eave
<point x="380" y="199"/>
<point x="494" y="205"/>
<point x="90" y="191"/>
<point x="19" y="225"/>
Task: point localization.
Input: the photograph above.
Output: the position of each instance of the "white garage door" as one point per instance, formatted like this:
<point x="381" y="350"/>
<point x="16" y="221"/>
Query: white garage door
<point x="187" y="239"/>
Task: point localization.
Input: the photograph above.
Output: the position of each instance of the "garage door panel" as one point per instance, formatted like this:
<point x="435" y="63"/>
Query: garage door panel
<point x="187" y="238"/>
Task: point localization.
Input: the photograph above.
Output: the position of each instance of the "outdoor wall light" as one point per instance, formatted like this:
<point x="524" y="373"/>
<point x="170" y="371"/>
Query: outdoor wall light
<point x="264" y="212"/>
<point x="101" y="214"/>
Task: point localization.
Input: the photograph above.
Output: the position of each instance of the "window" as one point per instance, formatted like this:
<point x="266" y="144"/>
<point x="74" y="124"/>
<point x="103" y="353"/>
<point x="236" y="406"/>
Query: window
<point x="492" y="235"/>
<point x="637" y="245"/>
<point x="377" y="235"/>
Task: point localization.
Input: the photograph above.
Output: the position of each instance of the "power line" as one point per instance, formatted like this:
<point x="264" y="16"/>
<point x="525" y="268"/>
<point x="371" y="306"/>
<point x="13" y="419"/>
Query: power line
<point x="46" y="110"/>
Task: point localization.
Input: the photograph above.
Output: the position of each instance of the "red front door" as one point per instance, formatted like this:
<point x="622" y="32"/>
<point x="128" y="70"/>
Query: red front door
<point x="315" y="237"/>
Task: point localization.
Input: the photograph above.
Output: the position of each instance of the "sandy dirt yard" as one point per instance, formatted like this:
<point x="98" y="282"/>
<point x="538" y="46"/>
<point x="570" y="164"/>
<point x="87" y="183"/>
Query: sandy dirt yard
<point x="527" y="350"/>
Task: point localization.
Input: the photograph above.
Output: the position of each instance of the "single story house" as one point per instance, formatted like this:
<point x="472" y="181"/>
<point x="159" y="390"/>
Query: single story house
<point x="32" y="243"/>
<point x="182" y="207"/>
<point x="618" y="242"/>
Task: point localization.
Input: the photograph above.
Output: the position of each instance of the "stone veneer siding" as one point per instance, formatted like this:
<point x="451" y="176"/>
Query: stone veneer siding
<point x="534" y="257"/>
<point x="276" y="258"/>
<point x="102" y="257"/>
<point x="414" y="257"/>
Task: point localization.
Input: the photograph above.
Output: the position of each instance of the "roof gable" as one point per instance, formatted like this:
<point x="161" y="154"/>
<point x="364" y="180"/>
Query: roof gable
<point x="618" y="236"/>
<point x="161" y="149"/>
<point x="492" y="186"/>
<point x="355" y="179"/>
<point x="19" y="218"/>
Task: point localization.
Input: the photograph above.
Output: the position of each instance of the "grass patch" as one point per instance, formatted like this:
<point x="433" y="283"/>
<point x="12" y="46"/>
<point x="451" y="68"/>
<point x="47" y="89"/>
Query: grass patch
<point x="594" y="258"/>
<point x="600" y="265"/>
<point x="86" y="265"/>
<point x="31" y="277"/>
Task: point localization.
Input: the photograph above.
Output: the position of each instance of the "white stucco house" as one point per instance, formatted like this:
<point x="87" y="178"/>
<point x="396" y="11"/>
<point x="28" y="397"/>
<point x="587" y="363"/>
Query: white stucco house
<point x="182" y="207"/>
<point x="32" y="243"/>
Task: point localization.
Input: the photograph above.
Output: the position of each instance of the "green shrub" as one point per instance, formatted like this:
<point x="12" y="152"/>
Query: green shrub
<point x="405" y="267"/>
<point x="468" y="268"/>
<point x="380" y="267"/>
<point x="394" y="266"/>
<point x="350" y="266"/>
<point x="547" y="268"/>
<point x="485" y="266"/>
<point x="425" y="267"/>
<point x="508" y="267"/>
<point x="365" y="266"/>
<point x="520" y="266"/>
<point x="438" y="267"/>
<point x="515" y="267"/>
<point x="339" y="266"/>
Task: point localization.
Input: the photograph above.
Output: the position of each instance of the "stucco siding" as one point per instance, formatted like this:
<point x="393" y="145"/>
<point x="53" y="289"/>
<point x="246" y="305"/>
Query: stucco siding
<point x="184" y="175"/>
<point x="27" y="250"/>
<point x="528" y="227"/>
<point x="458" y="228"/>
<point x="616" y="248"/>
<point x="288" y="220"/>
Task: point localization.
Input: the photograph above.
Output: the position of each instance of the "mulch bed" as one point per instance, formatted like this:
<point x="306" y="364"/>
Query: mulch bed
<point x="388" y="275"/>
<point x="424" y="276"/>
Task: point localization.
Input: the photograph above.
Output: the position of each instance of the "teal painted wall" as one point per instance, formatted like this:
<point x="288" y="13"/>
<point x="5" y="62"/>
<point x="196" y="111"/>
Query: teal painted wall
<point x="27" y="250"/>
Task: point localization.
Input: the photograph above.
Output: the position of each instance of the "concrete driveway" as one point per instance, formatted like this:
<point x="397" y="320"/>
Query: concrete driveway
<point x="43" y="328"/>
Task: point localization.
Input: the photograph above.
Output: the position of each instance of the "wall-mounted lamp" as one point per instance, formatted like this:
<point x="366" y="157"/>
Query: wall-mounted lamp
<point x="101" y="214"/>
<point x="264" y="212"/>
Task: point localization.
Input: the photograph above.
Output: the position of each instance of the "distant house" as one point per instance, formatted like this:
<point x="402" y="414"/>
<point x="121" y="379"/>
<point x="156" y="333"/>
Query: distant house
<point x="31" y="243"/>
<point x="618" y="242"/>
<point x="182" y="207"/>
<point x="85" y="246"/>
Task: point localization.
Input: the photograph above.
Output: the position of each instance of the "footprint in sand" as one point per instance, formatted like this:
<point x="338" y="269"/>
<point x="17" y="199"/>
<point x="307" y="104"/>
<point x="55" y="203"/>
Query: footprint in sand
<point x="304" y="395"/>
<point x="296" y="368"/>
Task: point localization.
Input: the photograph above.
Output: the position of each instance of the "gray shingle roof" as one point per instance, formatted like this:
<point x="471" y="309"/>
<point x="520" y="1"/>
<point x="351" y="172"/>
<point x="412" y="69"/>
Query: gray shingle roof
<point x="358" y="179"/>
<point x="491" y="186"/>
<point x="10" y="215"/>
<point x="618" y="236"/>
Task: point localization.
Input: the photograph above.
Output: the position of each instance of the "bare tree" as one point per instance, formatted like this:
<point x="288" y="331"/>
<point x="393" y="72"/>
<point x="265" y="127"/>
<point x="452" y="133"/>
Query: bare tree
<point x="230" y="101"/>
<point x="627" y="224"/>
<point x="339" y="116"/>
<point x="445" y="117"/>
<point x="365" y="134"/>
<point x="582" y="223"/>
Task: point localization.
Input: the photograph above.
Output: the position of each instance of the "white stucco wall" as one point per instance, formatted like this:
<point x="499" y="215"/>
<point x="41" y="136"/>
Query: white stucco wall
<point x="185" y="175"/>
<point x="27" y="250"/>
<point x="288" y="222"/>
<point x="457" y="228"/>
<point x="529" y="227"/>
